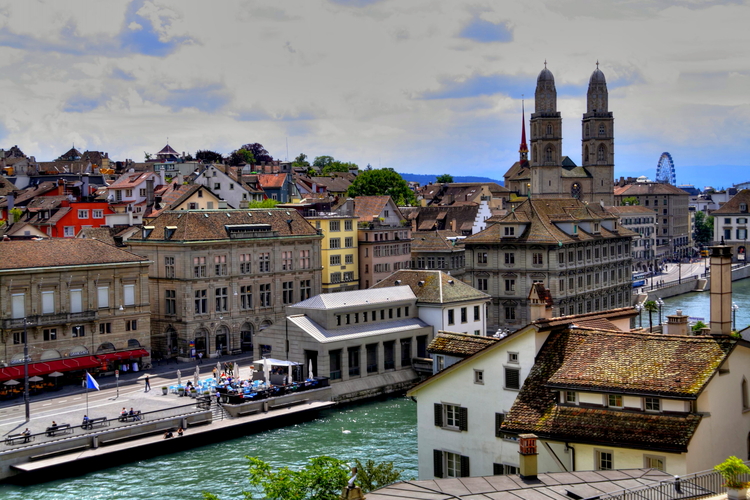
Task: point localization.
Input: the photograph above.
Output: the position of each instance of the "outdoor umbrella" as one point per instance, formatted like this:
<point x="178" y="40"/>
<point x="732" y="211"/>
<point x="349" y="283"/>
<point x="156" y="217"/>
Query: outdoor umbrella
<point x="35" y="379"/>
<point x="179" y="377"/>
<point x="310" y="373"/>
<point x="267" y="372"/>
<point x="196" y="376"/>
<point x="218" y="368"/>
<point x="252" y="370"/>
<point x="289" y="374"/>
<point x="236" y="369"/>
<point x="11" y="382"/>
<point x="55" y="374"/>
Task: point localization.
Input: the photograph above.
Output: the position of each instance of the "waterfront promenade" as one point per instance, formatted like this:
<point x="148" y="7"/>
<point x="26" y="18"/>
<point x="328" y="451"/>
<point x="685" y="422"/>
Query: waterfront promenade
<point x="75" y="450"/>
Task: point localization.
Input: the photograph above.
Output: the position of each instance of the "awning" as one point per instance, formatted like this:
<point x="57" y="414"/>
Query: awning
<point x="46" y="367"/>
<point x="111" y="356"/>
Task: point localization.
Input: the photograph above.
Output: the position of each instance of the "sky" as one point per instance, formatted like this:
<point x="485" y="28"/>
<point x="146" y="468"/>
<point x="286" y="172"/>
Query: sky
<point x="421" y="86"/>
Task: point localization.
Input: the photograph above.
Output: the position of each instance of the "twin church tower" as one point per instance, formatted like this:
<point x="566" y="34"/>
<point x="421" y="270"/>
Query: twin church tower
<point x="549" y="174"/>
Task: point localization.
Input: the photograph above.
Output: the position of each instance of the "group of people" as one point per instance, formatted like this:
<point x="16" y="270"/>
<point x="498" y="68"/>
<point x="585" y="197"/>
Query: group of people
<point x="169" y="433"/>
<point x="124" y="414"/>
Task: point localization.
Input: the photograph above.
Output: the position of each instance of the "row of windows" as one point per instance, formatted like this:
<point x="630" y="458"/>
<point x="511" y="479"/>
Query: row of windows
<point x="615" y="401"/>
<point x="387" y="250"/>
<point x="336" y="242"/>
<point x="96" y="213"/>
<point x="76" y="303"/>
<point x="464" y="315"/>
<point x="77" y="331"/>
<point x="353" y="318"/>
<point x="245" y="260"/>
<point x="347" y="277"/>
<point x="335" y="357"/>
<point x="335" y="225"/>
<point x="740" y="234"/>
<point x="456" y="262"/>
<point x="577" y="256"/>
<point x="336" y="259"/>
<point x="221" y="297"/>
<point x="638" y="220"/>
<point x="740" y="220"/>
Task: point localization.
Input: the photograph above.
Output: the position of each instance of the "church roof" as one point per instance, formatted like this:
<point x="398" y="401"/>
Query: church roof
<point x="167" y="150"/>
<point x="597" y="76"/>
<point x="545" y="75"/>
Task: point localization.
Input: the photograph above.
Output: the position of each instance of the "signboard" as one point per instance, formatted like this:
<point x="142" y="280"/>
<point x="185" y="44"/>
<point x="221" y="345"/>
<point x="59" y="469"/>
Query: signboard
<point x="117" y="373"/>
<point x="741" y="253"/>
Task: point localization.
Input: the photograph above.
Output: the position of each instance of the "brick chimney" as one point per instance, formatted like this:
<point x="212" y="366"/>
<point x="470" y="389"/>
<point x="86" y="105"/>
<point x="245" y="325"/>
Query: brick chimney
<point x="677" y="324"/>
<point x="721" y="290"/>
<point x="527" y="456"/>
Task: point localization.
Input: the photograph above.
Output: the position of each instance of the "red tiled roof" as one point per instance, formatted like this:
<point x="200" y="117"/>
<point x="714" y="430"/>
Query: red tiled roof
<point x="369" y="208"/>
<point x="271" y="181"/>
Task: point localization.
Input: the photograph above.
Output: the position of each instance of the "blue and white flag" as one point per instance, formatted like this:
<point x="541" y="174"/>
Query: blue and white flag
<point x="90" y="382"/>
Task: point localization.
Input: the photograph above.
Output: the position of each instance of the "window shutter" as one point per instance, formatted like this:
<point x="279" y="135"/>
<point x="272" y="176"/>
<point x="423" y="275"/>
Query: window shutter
<point x="18" y="307"/>
<point x="437" y="460"/>
<point x="76" y="301"/>
<point x="128" y="294"/>
<point x="499" y="419"/>
<point x="103" y="296"/>
<point x="438" y="414"/>
<point x="497" y="469"/>
<point x="465" y="466"/>
<point x="512" y="378"/>
<point x="48" y="302"/>
<point x="463" y="419"/>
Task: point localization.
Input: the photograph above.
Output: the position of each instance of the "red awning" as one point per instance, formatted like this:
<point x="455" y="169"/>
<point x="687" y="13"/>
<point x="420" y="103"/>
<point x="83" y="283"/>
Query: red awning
<point x="111" y="356"/>
<point x="47" y="367"/>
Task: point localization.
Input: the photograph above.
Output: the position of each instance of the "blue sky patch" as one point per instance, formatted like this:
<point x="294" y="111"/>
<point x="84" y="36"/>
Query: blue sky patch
<point x="81" y="104"/>
<point x="207" y="98"/>
<point x="483" y="31"/>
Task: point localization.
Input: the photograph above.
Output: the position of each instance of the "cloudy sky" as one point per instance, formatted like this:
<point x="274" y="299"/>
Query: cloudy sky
<point x="421" y="86"/>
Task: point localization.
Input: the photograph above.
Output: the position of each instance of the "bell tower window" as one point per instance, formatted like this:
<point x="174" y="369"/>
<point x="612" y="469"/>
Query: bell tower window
<point x="549" y="129"/>
<point x="602" y="130"/>
<point x="601" y="154"/>
<point x="575" y="190"/>
<point x="549" y="154"/>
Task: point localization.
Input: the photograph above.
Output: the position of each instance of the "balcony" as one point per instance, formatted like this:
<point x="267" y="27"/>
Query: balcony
<point x="50" y="319"/>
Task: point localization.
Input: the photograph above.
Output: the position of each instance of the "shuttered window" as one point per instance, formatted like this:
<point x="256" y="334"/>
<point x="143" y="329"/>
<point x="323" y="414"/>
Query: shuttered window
<point x="451" y="417"/>
<point x="48" y="302"/>
<point x="512" y="378"/>
<point x="447" y="464"/>
<point x="17" y="306"/>
<point x="76" y="301"/>
<point x="437" y="460"/>
<point x="102" y="296"/>
<point x="128" y="295"/>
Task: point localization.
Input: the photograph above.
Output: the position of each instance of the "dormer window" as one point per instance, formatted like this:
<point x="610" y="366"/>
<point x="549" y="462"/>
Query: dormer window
<point x="743" y="207"/>
<point x="510" y="231"/>
<point x="571" y="397"/>
<point x="575" y="228"/>
<point x="596" y="227"/>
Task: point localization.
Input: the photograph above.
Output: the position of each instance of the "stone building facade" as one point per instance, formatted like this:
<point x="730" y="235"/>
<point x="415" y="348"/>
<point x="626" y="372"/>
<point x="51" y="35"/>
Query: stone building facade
<point x="579" y="251"/>
<point x="219" y="277"/>
<point x="79" y="298"/>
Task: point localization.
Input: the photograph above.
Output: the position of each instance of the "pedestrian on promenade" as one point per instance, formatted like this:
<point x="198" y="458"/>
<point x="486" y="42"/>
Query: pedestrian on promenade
<point x="148" y="385"/>
<point x="26" y="435"/>
<point x="180" y="431"/>
<point x="168" y="434"/>
<point x="200" y="358"/>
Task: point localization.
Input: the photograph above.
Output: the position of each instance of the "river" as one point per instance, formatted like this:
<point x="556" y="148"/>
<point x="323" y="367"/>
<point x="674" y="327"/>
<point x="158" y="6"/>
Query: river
<point x="381" y="430"/>
<point x="697" y="305"/>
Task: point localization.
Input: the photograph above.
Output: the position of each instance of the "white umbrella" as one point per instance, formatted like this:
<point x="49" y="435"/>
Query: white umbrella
<point x="11" y="382"/>
<point x="289" y="374"/>
<point x="267" y="372"/>
<point x="236" y="370"/>
<point x="35" y="379"/>
<point x="55" y="374"/>
<point x="310" y="373"/>
<point x="218" y="368"/>
<point x="197" y="376"/>
<point x="179" y="377"/>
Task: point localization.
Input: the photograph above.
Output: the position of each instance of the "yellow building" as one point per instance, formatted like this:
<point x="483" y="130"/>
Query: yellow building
<point x="339" y="250"/>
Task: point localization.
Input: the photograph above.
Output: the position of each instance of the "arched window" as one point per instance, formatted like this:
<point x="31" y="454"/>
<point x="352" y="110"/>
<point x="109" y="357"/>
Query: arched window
<point x="133" y="344"/>
<point x="246" y="337"/>
<point x="107" y="346"/>
<point x="549" y="129"/>
<point x="587" y="130"/>
<point x="549" y="154"/>
<point x="586" y="154"/>
<point x="601" y="153"/>
<point x="602" y="130"/>
<point x="575" y="190"/>
<point x="535" y="156"/>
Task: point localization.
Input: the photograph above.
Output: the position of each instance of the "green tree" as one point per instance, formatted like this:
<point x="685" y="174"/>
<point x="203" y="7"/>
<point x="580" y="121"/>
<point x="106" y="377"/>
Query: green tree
<point x="207" y="156"/>
<point x="338" y="166"/>
<point x="372" y="475"/>
<point x="651" y="307"/>
<point x="267" y="203"/>
<point x="258" y="151"/>
<point x="704" y="228"/>
<point x="241" y="157"/>
<point x="699" y="326"/>
<point x="16" y="213"/>
<point x="444" y="179"/>
<point x="383" y="181"/>
<point x="301" y="161"/>
<point x="630" y="200"/>
<point x="322" y="161"/>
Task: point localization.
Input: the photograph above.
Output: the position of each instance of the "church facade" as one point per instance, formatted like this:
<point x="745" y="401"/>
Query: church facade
<point x="549" y="174"/>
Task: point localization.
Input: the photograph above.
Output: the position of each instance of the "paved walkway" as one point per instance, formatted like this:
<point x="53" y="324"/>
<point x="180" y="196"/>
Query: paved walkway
<point x="68" y="405"/>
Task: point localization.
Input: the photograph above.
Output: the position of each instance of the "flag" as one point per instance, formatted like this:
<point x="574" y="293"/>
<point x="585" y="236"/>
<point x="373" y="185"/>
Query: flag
<point x="90" y="382"/>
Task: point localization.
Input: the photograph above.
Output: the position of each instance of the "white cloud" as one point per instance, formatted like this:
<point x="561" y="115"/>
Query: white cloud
<point x="349" y="78"/>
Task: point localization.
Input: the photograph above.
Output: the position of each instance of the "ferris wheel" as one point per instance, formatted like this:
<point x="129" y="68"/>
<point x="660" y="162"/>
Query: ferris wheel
<point x="665" y="169"/>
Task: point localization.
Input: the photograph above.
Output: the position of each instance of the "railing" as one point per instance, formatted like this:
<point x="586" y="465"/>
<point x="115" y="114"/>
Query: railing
<point x="49" y="319"/>
<point x="698" y="485"/>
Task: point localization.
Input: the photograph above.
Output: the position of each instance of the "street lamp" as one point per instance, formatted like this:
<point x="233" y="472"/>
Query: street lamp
<point x="26" y="370"/>
<point x="734" y="315"/>
<point x="639" y="308"/>
<point x="659" y="303"/>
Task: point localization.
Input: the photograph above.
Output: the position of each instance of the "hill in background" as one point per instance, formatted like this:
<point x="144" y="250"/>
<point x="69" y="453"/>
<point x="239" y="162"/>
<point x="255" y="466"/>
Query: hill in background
<point x="424" y="179"/>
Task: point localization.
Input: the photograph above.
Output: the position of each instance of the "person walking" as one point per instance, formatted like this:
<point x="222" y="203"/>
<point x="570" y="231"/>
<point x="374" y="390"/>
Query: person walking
<point x="200" y="358"/>
<point x="148" y="385"/>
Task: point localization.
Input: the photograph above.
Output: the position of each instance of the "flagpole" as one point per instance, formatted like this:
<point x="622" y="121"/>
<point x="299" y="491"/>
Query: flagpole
<point x="87" y="393"/>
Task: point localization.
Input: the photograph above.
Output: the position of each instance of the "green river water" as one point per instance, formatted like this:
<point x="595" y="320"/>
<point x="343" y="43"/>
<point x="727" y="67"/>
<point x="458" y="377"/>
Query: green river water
<point x="380" y="430"/>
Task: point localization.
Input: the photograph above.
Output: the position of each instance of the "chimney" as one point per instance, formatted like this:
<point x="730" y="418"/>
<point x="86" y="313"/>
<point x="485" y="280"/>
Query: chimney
<point x="149" y="192"/>
<point x="677" y="324"/>
<point x="721" y="290"/>
<point x="85" y="186"/>
<point x="527" y="460"/>
<point x="11" y="197"/>
<point x="60" y="187"/>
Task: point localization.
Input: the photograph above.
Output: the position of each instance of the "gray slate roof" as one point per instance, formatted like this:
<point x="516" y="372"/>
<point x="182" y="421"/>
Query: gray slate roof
<point x="356" y="298"/>
<point x="436" y="286"/>
<point x="325" y="336"/>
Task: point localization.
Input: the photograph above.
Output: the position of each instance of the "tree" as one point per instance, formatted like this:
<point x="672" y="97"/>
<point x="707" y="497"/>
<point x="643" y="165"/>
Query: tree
<point x="267" y="203"/>
<point x="241" y="157"/>
<point x="383" y="181"/>
<point x="372" y="475"/>
<point x="301" y="161"/>
<point x="207" y="156"/>
<point x="258" y="152"/>
<point x="445" y="179"/>
<point x="704" y="228"/>
<point x="16" y="213"/>
<point x="339" y="166"/>
<point x="630" y="200"/>
<point x="651" y="307"/>
<point x="699" y="326"/>
<point x="322" y="479"/>
<point x="322" y="161"/>
<point x="147" y="155"/>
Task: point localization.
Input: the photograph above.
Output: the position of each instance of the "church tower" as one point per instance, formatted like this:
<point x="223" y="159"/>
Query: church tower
<point x="598" y="143"/>
<point x="546" y="138"/>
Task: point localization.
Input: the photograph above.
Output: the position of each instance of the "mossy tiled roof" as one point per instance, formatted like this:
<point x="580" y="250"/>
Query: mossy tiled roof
<point x="460" y="345"/>
<point x="625" y="363"/>
<point x="432" y="286"/>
